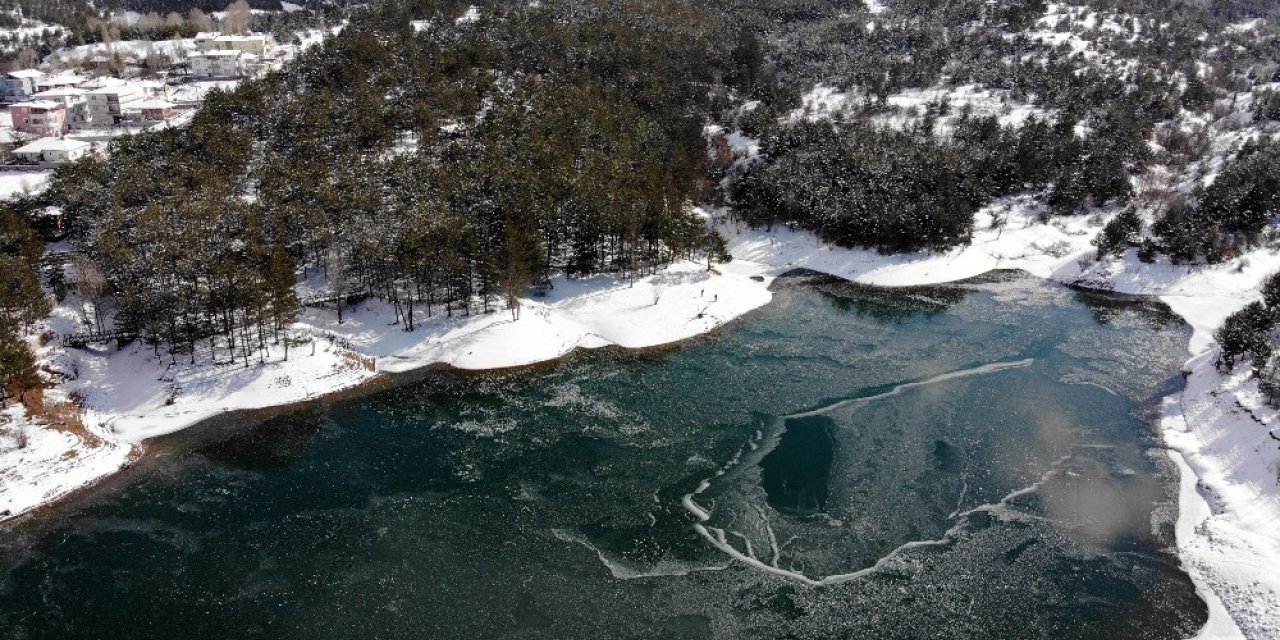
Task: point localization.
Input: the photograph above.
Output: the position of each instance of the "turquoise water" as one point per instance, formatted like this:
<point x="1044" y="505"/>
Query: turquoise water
<point x="964" y="461"/>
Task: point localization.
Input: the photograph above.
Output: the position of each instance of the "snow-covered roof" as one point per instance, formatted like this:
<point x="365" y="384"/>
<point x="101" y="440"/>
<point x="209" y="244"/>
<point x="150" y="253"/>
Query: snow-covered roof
<point x="154" y="104"/>
<point x="52" y="144"/>
<point x="61" y="80"/>
<point x="102" y="81"/>
<point x="218" y="53"/>
<point x="38" y="104"/>
<point x="60" y="92"/>
<point x="253" y="37"/>
<point x="26" y="73"/>
<point x="208" y="35"/>
<point x="116" y="89"/>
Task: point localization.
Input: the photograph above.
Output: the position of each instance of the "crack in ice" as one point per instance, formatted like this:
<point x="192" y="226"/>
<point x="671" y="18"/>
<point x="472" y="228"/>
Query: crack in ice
<point x="963" y="373"/>
<point x="621" y="572"/>
<point x="719" y="538"/>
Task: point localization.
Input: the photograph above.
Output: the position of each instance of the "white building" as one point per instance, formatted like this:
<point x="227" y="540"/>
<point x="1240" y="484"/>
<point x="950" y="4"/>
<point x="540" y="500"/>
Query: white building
<point x="60" y="81"/>
<point x="75" y="99"/>
<point x="218" y="63"/>
<point x="259" y="44"/>
<point x="204" y="39"/>
<point x="20" y="84"/>
<point x="108" y="104"/>
<point x="52" y="151"/>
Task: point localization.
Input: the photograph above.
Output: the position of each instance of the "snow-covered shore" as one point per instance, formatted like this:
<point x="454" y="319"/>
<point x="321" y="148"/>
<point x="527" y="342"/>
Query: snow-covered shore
<point x="133" y="394"/>
<point x="1218" y="428"/>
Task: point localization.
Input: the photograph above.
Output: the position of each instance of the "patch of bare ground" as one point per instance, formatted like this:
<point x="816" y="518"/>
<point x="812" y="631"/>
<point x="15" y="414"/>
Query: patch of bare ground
<point x="63" y="415"/>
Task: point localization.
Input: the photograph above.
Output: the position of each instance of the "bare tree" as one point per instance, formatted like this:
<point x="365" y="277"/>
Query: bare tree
<point x="237" y="17"/>
<point x="200" y="20"/>
<point x="16" y="433"/>
<point x="149" y="22"/>
<point x="91" y="284"/>
<point x="27" y="57"/>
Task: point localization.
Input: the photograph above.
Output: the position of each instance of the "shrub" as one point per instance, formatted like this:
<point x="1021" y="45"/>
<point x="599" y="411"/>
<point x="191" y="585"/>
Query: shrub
<point x="1247" y="331"/>
<point x="1118" y="233"/>
<point x="1147" y="251"/>
<point x="1271" y="292"/>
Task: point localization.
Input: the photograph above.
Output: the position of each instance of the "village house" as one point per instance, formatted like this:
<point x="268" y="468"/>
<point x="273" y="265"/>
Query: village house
<point x="20" y="84"/>
<point x="259" y="44"/>
<point x="60" y="81"/>
<point x="218" y="63"/>
<point x="75" y="99"/>
<point x="51" y="151"/>
<point x="204" y="39"/>
<point x="39" y="117"/>
<point x="153" y="88"/>
<point x="154" y="110"/>
<point x="51" y="222"/>
<point x="108" y="104"/>
<point x="101" y="64"/>
<point x="100" y="82"/>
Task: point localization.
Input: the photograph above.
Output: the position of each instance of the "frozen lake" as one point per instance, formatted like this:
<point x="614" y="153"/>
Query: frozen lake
<point x="965" y="461"/>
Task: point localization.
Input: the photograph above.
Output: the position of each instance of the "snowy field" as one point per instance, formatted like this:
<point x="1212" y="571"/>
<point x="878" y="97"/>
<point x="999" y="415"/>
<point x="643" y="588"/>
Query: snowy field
<point x="16" y="183"/>
<point x="177" y="49"/>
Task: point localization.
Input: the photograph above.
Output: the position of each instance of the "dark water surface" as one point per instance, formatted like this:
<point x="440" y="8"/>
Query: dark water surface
<point x="986" y="447"/>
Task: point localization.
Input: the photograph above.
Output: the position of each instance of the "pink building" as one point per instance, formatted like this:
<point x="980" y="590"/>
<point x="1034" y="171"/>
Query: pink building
<point x="44" y="118"/>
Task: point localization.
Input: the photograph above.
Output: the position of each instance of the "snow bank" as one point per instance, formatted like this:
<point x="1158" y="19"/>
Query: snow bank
<point x="1204" y="295"/>
<point x="1225" y="439"/>
<point x="44" y="464"/>
<point x="681" y="302"/>
<point x="1008" y="235"/>
<point x="134" y="394"/>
